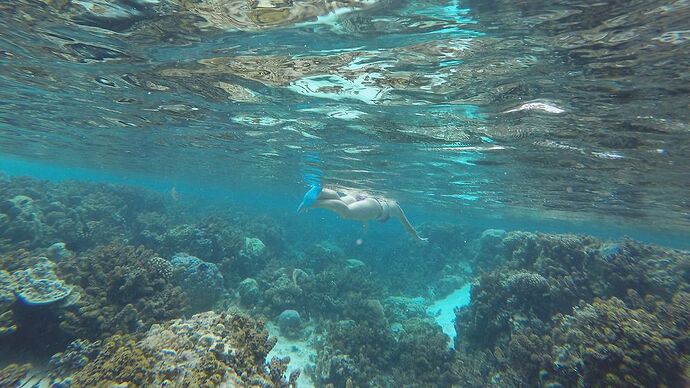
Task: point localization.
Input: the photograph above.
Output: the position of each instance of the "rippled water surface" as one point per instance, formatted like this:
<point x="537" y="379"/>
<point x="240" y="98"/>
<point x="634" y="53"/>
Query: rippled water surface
<point x="576" y="108"/>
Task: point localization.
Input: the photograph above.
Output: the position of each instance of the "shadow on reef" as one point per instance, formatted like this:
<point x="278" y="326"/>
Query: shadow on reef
<point x="102" y="277"/>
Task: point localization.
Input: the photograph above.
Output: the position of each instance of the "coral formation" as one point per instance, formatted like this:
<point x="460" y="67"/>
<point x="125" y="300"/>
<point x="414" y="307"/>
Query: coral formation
<point x="33" y="288"/>
<point x="200" y="280"/>
<point x="73" y="359"/>
<point x="7" y="298"/>
<point x="608" y="343"/>
<point x="557" y="301"/>
<point x="85" y="273"/>
<point x="211" y="239"/>
<point x="208" y="349"/>
<point x="13" y="374"/>
<point x="39" y="285"/>
<point x="253" y="248"/>
<point x="249" y="291"/>
<point x="21" y="221"/>
<point x="122" y="289"/>
<point x="290" y="323"/>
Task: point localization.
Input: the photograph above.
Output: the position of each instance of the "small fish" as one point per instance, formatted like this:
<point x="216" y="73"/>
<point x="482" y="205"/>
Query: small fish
<point x="174" y="194"/>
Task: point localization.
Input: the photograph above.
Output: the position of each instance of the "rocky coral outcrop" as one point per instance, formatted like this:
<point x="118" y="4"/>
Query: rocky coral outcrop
<point x="208" y="349"/>
<point x="35" y="287"/>
<point x="607" y="343"/>
<point x="123" y="289"/>
<point x="565" y="310"/>
<point x="200" y="280"/>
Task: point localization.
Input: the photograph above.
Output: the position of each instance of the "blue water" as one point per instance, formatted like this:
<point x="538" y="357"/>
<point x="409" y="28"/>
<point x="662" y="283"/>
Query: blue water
<point x="503" y="129"/>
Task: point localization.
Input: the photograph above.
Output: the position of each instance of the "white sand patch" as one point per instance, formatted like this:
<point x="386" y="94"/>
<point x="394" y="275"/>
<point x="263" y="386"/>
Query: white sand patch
<point x="301" y="352"/>
<point x="443" y="311"/>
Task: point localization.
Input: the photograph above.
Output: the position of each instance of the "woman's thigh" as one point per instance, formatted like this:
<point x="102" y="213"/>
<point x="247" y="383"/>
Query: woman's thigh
<point x="364" y="210"/>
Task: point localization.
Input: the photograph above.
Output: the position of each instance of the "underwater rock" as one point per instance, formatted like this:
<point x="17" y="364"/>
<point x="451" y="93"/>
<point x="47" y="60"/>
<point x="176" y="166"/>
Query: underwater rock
<point x="201" y="281"/>
<point x="39" y="285"/>
<point x="249" y="292"/>
<point x="290" y="323"/>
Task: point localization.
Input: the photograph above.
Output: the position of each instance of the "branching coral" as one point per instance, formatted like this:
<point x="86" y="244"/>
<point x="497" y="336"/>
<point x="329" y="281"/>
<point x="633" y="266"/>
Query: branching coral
<point x="122" y="290"/>
<point x="606" y="343"/>
<point x="516" y="319"/>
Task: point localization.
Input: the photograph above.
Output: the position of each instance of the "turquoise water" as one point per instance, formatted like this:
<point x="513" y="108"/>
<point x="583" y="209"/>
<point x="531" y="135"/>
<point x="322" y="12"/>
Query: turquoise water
<point x="192" y="130"/>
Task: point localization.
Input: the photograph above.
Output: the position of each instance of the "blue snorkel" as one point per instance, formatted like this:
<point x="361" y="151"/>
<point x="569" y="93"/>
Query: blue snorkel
<point x="310" y="197"/>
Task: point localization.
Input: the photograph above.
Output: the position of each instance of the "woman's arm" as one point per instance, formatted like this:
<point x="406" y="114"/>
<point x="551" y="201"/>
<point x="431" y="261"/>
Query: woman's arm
<point x="398" y="212"/>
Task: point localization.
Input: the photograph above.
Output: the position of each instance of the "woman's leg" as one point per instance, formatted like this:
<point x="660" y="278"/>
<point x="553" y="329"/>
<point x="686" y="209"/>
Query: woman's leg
<point x="328" y="194"/>
<point x="335" y="205"/>
<point x="365" y="210"/>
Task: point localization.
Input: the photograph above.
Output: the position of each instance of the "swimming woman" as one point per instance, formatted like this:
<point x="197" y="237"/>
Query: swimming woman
<point x="360" y="207"/>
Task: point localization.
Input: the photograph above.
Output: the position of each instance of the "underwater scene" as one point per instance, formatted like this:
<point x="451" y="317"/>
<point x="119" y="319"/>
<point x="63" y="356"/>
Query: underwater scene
<point x="346" y="193"/>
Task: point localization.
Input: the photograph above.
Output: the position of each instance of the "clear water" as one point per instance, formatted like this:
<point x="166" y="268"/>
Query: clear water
<point x="559" y="116"/>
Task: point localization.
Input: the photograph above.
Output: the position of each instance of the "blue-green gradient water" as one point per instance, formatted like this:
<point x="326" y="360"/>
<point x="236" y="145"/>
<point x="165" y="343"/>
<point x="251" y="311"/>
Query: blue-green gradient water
<point x="558" y="117"/>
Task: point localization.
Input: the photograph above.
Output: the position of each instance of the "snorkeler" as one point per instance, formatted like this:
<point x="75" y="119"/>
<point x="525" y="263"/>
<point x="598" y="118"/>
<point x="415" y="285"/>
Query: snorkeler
<point x="360" y="207"/>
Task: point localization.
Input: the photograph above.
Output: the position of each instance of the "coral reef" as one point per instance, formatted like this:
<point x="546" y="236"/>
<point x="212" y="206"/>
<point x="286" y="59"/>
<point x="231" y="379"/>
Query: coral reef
<point x="201" y="281"/>
<point x="252" y="248"/>
<point x="73" y="359"/>
<point x="37" y="213"/>
<point x="213" y="239"/>
<point x="557" y="301"/>
<point x="13" y="374"/>
<point x="7" y="298"/>
<point x="122" y="290"/>
<point x="84" y="272"/>
<point x="607" y="343"/>
<point x="208" y="349"/>
<point x="28" y="293"/>
<point x="21" y="221"/>
<point x="363" y="350"/>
